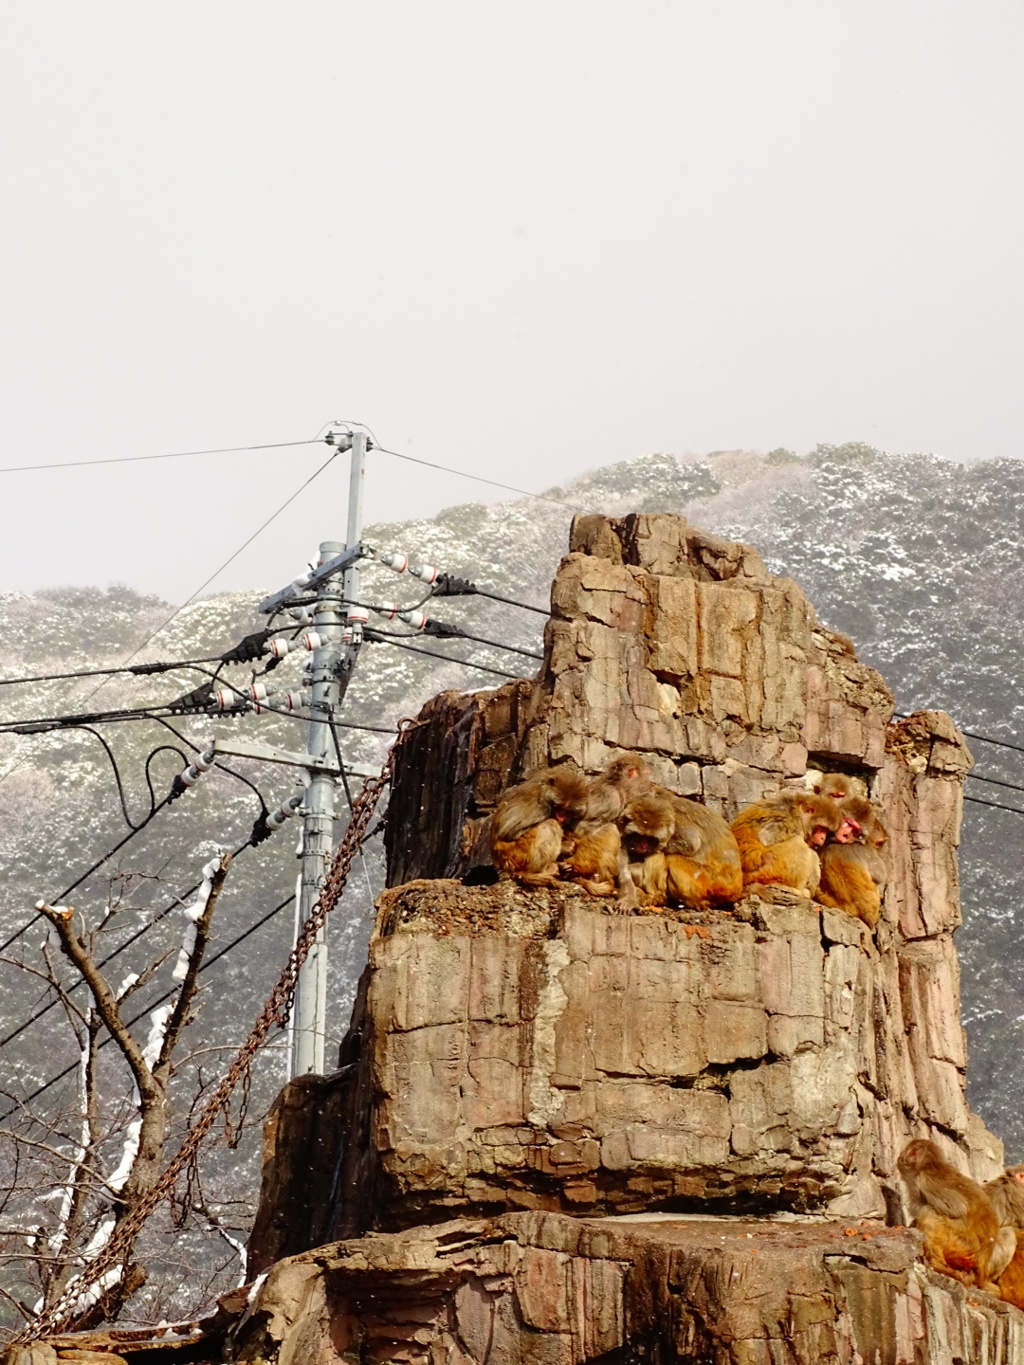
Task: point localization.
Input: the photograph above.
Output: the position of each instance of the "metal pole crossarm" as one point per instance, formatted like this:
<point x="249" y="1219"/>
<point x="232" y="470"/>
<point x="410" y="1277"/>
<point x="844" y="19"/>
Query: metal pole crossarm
<point x="315" y="577"/>
<point x="239" y="748"/>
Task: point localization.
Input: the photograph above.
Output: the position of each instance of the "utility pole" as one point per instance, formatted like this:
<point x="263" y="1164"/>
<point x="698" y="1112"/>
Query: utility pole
<point x="330" y="672"/>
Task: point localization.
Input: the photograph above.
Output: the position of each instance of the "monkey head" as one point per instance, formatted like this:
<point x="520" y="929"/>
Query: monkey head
<point x="916" y="1155"/>
<point x="647" y="825"/>
<point x="820" y="818"/>
<point x="566" y="796"/>
<point x="628" y="773"/>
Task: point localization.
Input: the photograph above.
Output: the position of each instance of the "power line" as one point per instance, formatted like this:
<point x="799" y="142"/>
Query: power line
<point x="172" y="455"/>
<point x="88" y="873"/>
<point x="977" y="801"/>
<point x="478" y="478"/>
<point x="153" y="1004"/>
<point x="245" y="544"/>
<point x="138" y="669"/>
<point x="377" y="637"/>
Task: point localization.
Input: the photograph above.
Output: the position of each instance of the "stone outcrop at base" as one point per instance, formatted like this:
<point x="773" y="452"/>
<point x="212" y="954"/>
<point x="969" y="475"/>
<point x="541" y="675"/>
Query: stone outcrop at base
<point x="546" y="1289"/>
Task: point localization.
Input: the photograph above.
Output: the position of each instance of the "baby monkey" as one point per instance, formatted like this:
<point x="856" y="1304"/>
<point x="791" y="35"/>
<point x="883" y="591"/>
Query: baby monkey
<point x="530" y="821"/>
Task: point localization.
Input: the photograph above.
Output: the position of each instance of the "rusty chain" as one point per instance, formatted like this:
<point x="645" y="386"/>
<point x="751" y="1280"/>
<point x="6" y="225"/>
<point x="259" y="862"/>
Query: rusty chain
<point x="276" y="1012"/>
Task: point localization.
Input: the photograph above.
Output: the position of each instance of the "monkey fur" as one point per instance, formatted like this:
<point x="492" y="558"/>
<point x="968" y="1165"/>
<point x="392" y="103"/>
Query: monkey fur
<point x="647" y="826"/>
<point x="962" y="1233"/>
<point x="702" y="857"/>
<point x="529" y="822"/>
<point x="854" y="875"/>
<point x="777" y="838"/>
<point x="594" y="856"/>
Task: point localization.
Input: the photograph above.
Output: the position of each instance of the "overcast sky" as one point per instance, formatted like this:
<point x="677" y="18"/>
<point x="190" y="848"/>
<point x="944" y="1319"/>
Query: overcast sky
<point x="519" y="239"/>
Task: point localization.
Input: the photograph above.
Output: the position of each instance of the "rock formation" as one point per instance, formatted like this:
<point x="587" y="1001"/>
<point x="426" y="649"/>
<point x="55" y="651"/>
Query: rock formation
<point x="516" y="1050"/>
<point x="558" y="1133"/>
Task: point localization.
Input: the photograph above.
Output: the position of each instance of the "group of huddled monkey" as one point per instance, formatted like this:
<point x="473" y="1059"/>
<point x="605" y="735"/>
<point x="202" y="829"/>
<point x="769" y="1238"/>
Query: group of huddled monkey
<point x="975" y="1233"/>
<point x="621" y="835"/>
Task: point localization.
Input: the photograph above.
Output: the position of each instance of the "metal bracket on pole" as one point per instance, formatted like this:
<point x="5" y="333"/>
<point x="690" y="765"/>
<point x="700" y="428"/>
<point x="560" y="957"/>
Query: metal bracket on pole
<point x="266" y="753"/>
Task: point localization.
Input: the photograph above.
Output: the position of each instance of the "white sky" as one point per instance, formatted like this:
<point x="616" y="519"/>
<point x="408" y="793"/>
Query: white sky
<point x="523" y="239"/>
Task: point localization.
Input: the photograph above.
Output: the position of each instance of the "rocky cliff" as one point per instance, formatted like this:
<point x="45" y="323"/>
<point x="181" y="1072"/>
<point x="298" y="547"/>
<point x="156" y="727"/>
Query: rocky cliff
<point x="640" y="1083"/>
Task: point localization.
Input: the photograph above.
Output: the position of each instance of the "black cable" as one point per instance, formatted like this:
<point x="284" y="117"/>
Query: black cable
<point x="117" y="773"/>
<point x="120" y="948"/>
<point x="88" y="873"/>
<point x="456" y="633"/>
<point x="153" y="1004"/>
<point x="259" y="530"/>
<point x="995" y="782"/>
<point x="160" y="749"/>
<point x="510" y="601"/>
<point x="479" y="478"/>
<point x="139" y="669"/>
<point x="376" y="637"/>
<point x="172" y="455"/>
<point x="977" y="801"/>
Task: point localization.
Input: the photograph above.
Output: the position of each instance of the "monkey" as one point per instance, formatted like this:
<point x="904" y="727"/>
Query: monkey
<point x="647" y="826"/>
<point x="529" y="821"/>
<point x="962" y="1235"/>
<point x="854" y="875"/>
<point x="593" y="855"/>
<point x="836" y="786"/>
<point x="778" y="836"/>
<point x="702" y="857"/>
<point x="1010" y="1284"/>
<point x="1006" y="1195"/>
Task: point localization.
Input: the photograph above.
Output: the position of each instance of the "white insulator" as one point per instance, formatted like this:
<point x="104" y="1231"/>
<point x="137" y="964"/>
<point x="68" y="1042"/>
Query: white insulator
<point x="390" y="609"/>
<point x="301" y="615"/>
<point x="227" y="699"/>
<point x="202" y="763"/>
<point x="347" y="635"/>
<point x="281" y="646"/>
<point x="416" y="619"/>
<point x="357" y="616"/>
<point x="312" y="640"/>
<point x="298" y="584"/>
<point x="395" y="561"/>
<point x="257" y="692"/>
<point x="426" y="572"/>
<point x="284" y="812"/>
<point x="284" y="701"/>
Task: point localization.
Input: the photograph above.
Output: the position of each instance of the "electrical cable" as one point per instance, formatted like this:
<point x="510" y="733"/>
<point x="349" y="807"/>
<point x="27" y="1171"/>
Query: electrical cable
<point x="172" y="455"/>
<point x="153" y="1004"/>
<point x="245" y="544"/>
<point x="977" y="801"/>
<point x="89" y="871"/>
<point x="478" y="478"/>
<point x="995" y="782"/>
<point x="456" y="634"/>
<point x="375" y="637"/>
<point x="139" y="669"/>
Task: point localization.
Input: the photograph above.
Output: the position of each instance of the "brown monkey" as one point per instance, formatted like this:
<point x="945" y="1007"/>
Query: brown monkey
<point x="593" y="858"/>
<point x="1010" y="1284"/>
<point x="778" y="836"/>
<point x="647" y="826"/>
<point x="1006" y="1195"/>
<point x="702" y="857"/>
<point x="962" y="1236"/>
<point x="837" y="786"/>
<point x="853" y="875"/>
<point x="529" y="821"/>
